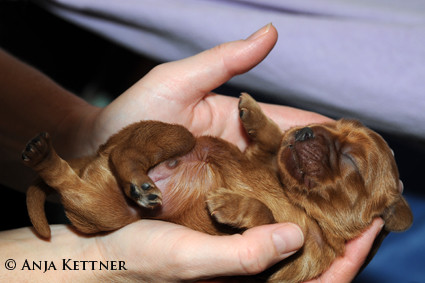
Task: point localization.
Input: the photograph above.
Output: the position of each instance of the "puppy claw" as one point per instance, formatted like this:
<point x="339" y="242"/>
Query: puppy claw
<point x="152" y="197"/>
<point x="242" y="112"/>
<point x="146" y="186"/>
<point x="134" y="192"/>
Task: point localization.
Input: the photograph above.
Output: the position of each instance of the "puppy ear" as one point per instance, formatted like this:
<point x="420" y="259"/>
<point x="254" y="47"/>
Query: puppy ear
<point x="398" y="217"/>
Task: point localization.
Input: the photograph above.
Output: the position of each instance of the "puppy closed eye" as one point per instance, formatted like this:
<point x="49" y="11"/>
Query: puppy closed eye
<point x="348" y="160"/>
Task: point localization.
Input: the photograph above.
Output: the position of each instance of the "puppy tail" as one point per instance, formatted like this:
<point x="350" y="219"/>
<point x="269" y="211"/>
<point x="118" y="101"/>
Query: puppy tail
<point x="36" y="197"/>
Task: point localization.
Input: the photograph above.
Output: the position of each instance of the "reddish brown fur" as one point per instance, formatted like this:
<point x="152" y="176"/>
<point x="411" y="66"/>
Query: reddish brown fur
<point x="332" y="180"/>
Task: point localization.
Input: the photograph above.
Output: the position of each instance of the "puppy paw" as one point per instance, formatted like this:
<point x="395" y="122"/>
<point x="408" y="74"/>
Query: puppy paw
<point x="237" y="210"/>
<point x="146" y="194"/>
<point x="262" y="131"/>
<point x="251" y="115"/>
<point x="36" y="150"/>
<point x="220" y="206"/>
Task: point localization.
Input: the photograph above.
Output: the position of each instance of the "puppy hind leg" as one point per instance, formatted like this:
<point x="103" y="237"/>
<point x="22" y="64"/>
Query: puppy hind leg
<point x="130" y="167"/>
<point x="148" y="144"/>
<point x="236" y="210"/>
<point x="40" y="155"/>
<point x="263" y="132"/>
<point x="57" y="175"/>
<point x="90" y="207"/>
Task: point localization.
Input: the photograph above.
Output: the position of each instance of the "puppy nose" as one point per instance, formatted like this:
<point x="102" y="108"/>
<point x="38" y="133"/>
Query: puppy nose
<point x="304" y="134"/>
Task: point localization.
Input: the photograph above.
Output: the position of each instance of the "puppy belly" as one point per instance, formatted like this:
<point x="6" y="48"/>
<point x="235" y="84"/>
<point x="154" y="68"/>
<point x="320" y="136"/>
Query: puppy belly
<point x="161" y="175"/>
<point x="185" y="180"/>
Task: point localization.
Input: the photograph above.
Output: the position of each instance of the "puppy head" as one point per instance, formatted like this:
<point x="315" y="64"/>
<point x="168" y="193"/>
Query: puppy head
<point x="344" y="175"/>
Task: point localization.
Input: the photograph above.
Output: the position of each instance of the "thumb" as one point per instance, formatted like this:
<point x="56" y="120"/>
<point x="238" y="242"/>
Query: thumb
<point x="250" y="253"/>
<point x="183" y="84"/>
<point x="198" y="75"/>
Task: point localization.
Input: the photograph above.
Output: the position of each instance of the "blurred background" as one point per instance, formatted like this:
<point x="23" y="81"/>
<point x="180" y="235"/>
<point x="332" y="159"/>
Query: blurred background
<point x="99" y="70"/>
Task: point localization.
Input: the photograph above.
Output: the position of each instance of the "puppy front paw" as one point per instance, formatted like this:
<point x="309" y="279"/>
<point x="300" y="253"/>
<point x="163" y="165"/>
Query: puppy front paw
<point x="251" y="115"/>
<point x="36" y="150"/>
<point x="237" y="210"/>
<point x="220" y="206"/>
<point x="146" y="194"/>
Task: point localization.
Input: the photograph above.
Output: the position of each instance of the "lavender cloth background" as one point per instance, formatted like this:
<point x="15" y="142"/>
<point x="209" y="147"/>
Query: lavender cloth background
<point x="356" y="58"/>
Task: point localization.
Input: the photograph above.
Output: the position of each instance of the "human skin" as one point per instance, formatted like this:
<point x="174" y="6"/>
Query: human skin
<point x="152" y="250"/>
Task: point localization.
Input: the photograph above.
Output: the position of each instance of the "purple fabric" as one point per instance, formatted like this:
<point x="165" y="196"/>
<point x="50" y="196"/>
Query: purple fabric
<point x="358" y="58"/>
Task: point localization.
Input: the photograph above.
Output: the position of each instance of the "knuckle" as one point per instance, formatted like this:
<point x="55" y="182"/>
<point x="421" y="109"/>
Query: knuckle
<point x="251" y="260"/>
<point x="158" y="69"/>
<point x="224" y="56"/>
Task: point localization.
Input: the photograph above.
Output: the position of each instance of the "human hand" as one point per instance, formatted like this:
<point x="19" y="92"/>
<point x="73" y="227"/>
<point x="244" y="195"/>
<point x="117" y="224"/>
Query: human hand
<point x="344" y="269"/>
<point x="156" y="251"/>
<point x="180" y="92"/>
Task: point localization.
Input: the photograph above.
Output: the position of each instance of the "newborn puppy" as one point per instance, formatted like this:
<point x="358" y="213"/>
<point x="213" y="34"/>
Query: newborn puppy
<point x="331" y="179"/>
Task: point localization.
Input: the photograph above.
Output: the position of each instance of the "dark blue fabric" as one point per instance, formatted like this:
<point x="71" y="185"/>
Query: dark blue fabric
<point x="401" y="258"/>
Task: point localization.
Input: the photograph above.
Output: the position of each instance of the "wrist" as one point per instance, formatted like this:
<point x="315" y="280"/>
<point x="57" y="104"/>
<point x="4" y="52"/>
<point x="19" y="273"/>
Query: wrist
<point x="73" y="136"/>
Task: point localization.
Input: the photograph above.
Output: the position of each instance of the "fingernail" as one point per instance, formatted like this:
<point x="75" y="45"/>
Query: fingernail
<point x="288" y="239"/>
<point x="262" y="31"/>
<point x="400" y="186"/>
<point x="381" y="225"/>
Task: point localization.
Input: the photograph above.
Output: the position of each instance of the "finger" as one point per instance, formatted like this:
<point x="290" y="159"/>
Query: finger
<point x="198" y="75"/>
<point x="346" y="268"/>
<point x="250" y="253"/>
<point x="182" y="84"/>
<point x="287" y="117"/>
